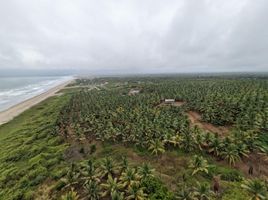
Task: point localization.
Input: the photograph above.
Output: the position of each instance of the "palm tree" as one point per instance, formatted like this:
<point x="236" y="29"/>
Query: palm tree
<point x="111" y="186"/>
<point x="117" y="195"/>
<point x="107" y="167"/>
<point x="136" y="192"/>
<point x="256" y="188"/>
<point x="90" y="172"/>
<point x="145" y="171"/>
<point x="187" y="142"/>
<point x="199" y="138"/>
<point x="208" y="138"/>
<point x="215" y="146"/>
<point x="174" y="140"/>
<point x="124" y="164"/>
<point x="230" y="153"/>
<point x="92" y="190"/>
<point x="199" y="164"/>
<point x="157" y="147"/>
<point x="71" y="195"/>
<point x="184" y="194"/>
<point x="202" y="191"/>
<point x="250" y="139"/>
<point x="129" y="177"/>
<point x="71" y="177"/>
<point x="242" y="149"/>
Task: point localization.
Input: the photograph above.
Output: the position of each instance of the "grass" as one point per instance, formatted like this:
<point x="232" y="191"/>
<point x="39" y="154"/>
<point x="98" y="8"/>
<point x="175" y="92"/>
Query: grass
<point x="31" y="150"/>
<point x="233" y="191"/>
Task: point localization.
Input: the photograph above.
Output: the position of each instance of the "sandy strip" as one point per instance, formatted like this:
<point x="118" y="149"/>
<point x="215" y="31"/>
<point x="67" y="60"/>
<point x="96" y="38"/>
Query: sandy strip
<point x="9" y="114"/>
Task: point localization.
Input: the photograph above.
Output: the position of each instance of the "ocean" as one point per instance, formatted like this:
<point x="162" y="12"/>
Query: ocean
<point x="14" y="90"/>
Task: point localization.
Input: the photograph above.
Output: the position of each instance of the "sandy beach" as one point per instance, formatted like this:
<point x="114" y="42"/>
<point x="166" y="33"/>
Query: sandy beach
<point x="9" y="114"/>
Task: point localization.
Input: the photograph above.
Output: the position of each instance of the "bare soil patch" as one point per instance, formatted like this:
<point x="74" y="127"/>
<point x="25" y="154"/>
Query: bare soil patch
<point x="258" y="161"/>
<point x="196" y="119"/>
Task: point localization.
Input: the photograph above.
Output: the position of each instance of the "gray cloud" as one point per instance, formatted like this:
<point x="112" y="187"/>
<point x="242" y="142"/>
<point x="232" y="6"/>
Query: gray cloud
<point x="134" y="36"/>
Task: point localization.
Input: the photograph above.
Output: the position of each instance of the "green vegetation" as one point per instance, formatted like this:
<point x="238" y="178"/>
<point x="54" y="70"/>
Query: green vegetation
<point x="256" y="188"/>
<point x="100" y="141"/>
<point x="31" y="150"/>
<point x="106" y="178"/>
<point x="111" y="114"/>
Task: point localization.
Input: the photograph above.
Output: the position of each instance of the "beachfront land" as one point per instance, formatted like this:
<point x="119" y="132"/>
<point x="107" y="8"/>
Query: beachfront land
<point x="99" y="140"/>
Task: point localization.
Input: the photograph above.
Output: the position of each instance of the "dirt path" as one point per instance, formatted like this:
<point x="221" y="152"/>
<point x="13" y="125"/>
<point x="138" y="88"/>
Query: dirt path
<point x="196" y="119"/>
<point x="258" y="161"/>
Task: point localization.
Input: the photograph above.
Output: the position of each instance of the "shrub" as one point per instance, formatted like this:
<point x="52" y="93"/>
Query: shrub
<point x="233" y="191"/>
<point x="59" y="185"/>
<point x="51" y="162"/>
<point x="24" y="182"/>
<point x="93" y="148"/>
<point x="37" y="172"/>
<point x="39" y="179"/>
<point x="58" y="173"/>
<point x="156" y="189"/>
<point x="232" y="176"/>
<point x="226" y="174"/>
<point x="29" y="195"/>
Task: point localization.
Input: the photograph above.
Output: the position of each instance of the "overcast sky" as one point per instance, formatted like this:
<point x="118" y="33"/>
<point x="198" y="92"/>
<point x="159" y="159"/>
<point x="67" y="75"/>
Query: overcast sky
<point x="134" y="36"/>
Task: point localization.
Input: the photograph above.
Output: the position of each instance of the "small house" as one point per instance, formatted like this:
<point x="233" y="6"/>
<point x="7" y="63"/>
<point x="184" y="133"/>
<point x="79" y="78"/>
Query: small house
<point x="134" y="91"/>
<point x="169" y="101"/>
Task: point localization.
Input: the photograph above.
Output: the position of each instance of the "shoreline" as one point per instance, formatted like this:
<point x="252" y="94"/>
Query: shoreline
<point x="12" y="112"/>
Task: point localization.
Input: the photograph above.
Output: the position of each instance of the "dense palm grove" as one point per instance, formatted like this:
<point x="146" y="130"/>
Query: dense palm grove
<point x="110" y="113"/>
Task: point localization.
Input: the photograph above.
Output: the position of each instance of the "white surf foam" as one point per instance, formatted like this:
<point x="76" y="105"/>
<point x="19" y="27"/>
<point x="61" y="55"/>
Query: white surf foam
<point x="11" y="97"/>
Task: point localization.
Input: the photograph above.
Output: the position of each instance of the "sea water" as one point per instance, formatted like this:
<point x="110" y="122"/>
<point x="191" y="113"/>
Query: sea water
<point x="14" y="90"/>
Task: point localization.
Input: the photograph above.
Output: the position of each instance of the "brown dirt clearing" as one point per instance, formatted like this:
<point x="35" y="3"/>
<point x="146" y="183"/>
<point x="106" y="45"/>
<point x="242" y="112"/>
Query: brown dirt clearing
<point x="196" y="119"/>
<point x="259" y="163"/>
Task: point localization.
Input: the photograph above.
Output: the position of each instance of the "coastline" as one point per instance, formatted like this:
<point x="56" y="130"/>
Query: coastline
<point x="14" y="111"/>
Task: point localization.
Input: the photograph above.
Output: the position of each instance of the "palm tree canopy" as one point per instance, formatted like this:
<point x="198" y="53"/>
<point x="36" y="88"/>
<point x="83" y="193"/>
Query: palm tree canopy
<point x="256" y="188"/>
<point x="199" y="164"/>
<point x="157" y="147"/>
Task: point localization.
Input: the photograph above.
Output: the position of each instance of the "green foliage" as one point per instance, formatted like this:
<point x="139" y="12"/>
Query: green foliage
<point x="30" y="150"/>
<point x="221" y="100"/>
<point x="111" y="115"/>
<point x="256" y="188"/>
<point x="199" y="164"/>
<point x="202" y="191"/>
<point x="141" y="122"/>
<point x="156" y="189"/>
<point x="226" y="174"/>
<point x="231" y="175"/>
<point x="59" y="185"/>
<point x="233" y="191"/>
<point x="71" y="195"/>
